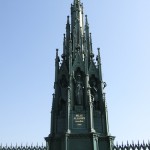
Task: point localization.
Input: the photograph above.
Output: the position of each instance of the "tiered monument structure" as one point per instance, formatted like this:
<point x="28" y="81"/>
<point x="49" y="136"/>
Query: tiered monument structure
<point x="79" y="119"/>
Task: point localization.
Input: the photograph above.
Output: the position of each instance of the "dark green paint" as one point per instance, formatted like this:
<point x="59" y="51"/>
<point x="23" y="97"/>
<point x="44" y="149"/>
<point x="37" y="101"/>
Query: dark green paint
<point x="79" y="113"/>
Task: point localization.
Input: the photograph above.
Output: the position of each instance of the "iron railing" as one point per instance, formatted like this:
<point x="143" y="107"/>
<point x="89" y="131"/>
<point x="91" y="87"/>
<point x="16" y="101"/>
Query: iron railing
<point x="22" y="147"/>
<point x="133" y="146"/>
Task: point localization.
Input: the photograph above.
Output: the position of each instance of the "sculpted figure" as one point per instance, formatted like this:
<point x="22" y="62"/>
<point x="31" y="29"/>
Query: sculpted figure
<point x="94" y="92"/>
<point x="79" y="89"/>
<point x="63" y="91"/>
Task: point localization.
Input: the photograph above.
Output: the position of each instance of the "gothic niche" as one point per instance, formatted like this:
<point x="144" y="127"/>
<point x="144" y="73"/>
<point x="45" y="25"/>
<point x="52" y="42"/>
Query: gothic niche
<point x="94" y="92"/>
<point x="63" y="92"/>
<point x="79" y="87"/>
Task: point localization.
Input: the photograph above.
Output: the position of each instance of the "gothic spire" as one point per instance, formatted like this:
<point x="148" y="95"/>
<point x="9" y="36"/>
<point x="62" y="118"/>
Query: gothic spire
<point x="64" y="48"/>
<point x="87" y="34"/>
<point x="79" y="113"/>
<point x="67" y="32"/>
<point x="99" y="65"/>
<point x="77" y="25"/>
<point x="56" y="66"/>
<point x="91" y="47"/>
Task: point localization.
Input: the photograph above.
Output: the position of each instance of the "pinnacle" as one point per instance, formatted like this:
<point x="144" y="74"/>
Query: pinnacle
<point x="76" y="1"/>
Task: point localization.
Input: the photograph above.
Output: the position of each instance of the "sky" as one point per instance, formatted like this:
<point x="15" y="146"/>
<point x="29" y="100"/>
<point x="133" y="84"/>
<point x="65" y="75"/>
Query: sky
<point x="31" y="30"/>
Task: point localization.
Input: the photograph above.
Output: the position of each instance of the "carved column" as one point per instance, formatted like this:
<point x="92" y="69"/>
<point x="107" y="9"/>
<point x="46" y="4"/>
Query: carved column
<point x="90" y="111"/>
<point x="68" y="113"/>
<point x="53" y="124"/>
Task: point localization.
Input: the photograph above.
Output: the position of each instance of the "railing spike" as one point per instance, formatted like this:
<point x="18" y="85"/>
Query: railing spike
<point x="127" y="143"/>
<point x="122" y="143"/>
<point x="132" y="142"/>
<point x="143" y="143"/>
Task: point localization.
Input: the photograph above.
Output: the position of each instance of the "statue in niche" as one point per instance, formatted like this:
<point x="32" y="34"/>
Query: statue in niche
<point x="63" y="91"/>
<point x="94" y="93"/>
<point x="78" y="89"/>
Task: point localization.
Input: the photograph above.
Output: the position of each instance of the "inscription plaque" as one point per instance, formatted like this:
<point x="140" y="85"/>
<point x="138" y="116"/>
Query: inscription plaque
<point x="79" y="121"/>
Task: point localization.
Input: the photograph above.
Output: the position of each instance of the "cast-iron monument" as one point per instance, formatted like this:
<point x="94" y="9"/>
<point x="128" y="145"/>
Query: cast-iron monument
<point x="79" y="119"/>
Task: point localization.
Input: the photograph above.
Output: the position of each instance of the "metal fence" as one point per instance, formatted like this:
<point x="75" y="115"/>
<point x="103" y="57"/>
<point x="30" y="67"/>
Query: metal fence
<point x="133" y="146"/>
<point x="22" y="147"/>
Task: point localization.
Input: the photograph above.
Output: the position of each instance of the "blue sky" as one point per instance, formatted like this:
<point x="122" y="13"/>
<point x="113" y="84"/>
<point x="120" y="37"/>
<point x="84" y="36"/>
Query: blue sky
<point x="31" y="30"/>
